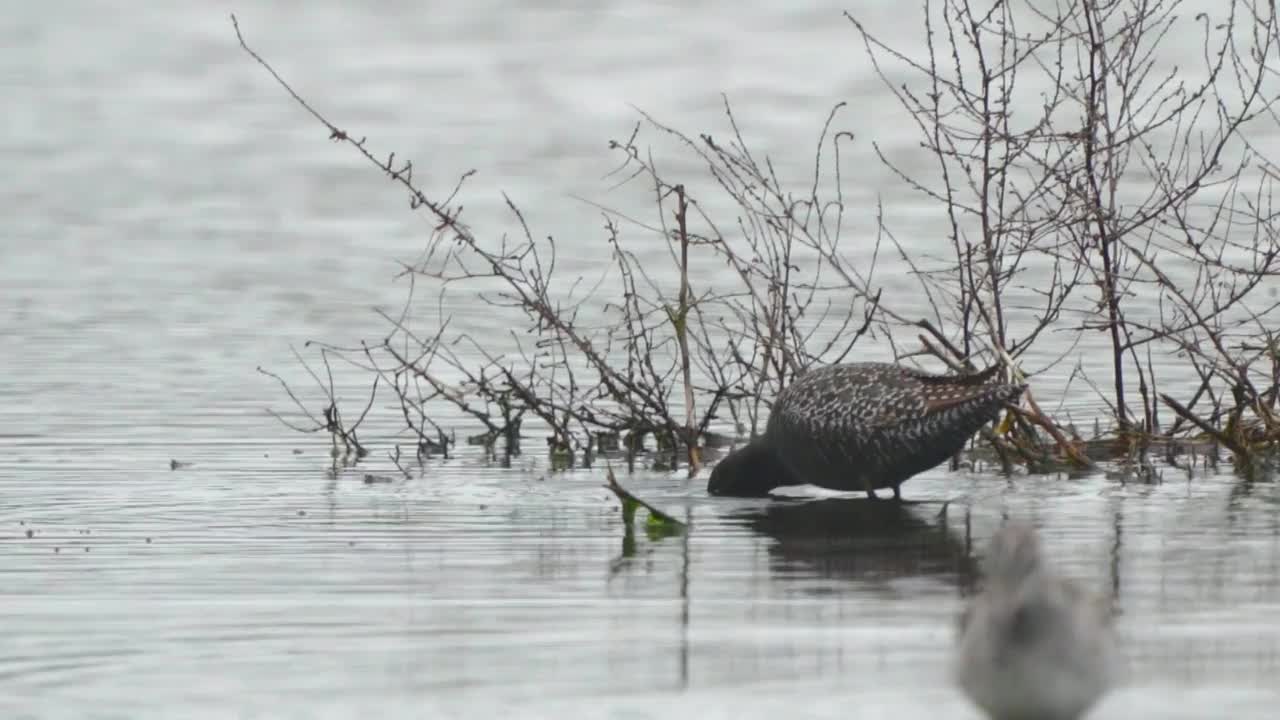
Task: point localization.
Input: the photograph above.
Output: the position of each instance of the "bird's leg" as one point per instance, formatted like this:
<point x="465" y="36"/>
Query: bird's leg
<point x="870" y="490"/>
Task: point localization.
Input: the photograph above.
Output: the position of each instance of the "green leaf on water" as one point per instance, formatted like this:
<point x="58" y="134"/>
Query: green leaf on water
<point x="629" y="506"/>
<point x="661" y="525"/>
<point x="657" y="525"/>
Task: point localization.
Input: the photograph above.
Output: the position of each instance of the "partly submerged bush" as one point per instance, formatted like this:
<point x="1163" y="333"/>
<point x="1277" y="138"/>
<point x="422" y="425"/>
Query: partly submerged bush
<point x="1088" y="186"/>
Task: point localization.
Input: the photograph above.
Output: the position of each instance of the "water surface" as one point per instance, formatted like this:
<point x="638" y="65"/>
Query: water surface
<point x="175" y="222"/>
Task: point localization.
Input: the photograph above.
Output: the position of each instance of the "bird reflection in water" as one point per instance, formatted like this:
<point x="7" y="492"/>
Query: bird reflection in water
<point x="858" y="539"/>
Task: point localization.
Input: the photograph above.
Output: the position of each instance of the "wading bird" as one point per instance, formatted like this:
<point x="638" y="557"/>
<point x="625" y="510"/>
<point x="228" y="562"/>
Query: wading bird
<point x="1032" y="644"/>
<point x="862" y="426"/>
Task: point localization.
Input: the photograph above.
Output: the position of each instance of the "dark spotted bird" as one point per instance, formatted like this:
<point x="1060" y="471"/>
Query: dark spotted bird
<point x="862" y="426"/>
<point x="1033" y="644"/>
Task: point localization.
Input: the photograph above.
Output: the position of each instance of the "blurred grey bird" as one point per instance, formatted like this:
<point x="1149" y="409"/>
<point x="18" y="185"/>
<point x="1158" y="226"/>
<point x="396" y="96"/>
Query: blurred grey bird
<point x="862" y="426"/>
<point x="1033" y="645"/>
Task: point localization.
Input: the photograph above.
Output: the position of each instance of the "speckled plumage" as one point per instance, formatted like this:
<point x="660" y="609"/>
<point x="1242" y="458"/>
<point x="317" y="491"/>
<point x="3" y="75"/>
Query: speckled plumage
<point x="862" y="426"/>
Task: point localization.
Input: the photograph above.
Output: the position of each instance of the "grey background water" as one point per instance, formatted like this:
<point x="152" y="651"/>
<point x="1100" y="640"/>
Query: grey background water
<point x="172" y="221"/>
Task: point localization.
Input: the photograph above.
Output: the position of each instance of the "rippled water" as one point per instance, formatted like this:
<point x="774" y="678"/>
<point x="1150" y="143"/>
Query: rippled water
<point x="174" y="222"/>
